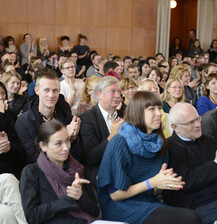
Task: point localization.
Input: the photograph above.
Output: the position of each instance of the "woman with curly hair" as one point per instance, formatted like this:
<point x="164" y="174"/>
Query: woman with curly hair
<point x="173" y="93"/>
<point x="87" y="99"/>
<point x="183" y="72"/>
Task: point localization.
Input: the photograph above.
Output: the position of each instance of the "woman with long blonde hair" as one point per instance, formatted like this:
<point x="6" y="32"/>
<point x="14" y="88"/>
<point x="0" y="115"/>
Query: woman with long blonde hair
<point x="173" y="93"/>
<point x="87" y="99"/>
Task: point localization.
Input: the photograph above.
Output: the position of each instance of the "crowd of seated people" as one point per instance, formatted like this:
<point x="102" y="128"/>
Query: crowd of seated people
<point x="75" y="125"/>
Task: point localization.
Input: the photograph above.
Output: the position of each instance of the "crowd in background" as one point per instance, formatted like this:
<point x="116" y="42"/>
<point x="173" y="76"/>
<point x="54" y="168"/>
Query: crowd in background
<point x="188" y="76"/>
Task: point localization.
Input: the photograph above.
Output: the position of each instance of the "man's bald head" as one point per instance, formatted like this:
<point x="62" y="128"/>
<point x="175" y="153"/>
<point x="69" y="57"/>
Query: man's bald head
<point x="185" y="120"/>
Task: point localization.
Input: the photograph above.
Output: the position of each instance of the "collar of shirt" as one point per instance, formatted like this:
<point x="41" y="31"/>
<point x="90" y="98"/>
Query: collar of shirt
<point x="44" y="119"/>
<point x="107" y="117"/>
<point x="185" y="139"/>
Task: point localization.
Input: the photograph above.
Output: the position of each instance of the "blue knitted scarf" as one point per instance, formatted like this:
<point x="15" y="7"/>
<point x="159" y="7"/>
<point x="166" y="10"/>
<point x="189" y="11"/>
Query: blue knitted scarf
<point x="139" y="142"/>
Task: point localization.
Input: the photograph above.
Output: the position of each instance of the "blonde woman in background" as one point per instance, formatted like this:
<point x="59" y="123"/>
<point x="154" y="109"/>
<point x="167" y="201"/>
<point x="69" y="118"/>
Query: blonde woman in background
<point x="183" y="72"/>
<point x="87" y="99"/>
<point x="150" y="85"/>
<point x="43" y="52"/>
<point x="12" y="81"/>
<point x="173" y="93"/>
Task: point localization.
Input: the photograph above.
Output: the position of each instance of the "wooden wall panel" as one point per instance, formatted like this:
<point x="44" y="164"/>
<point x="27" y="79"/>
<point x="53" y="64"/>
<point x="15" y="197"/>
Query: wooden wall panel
<point x="41" y="12"/>
<point x="68" y="12"/>
<point x="118" y="41"/>
<point x="93" y="13"/>
<point x="145" y="13"/>
<point x="71" y="31"/>
<point x="119" y="13"/>
<point x="39" y="30"/>
<point x="96" y="37"/>
<point x="13" y="11"/>
<point x="123" y="27"/>
<point x="14" y="30"/>
<point x="143" y="42"/>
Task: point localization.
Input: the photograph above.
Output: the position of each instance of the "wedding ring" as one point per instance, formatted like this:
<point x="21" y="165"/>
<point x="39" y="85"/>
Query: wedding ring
<point x="170" y="186"/>
<point x="77" y="190"/>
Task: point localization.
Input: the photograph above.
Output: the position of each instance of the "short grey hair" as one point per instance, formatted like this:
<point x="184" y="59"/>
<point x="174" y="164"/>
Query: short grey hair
<point x="103" y="83"/>
<point x="177" y="111"/>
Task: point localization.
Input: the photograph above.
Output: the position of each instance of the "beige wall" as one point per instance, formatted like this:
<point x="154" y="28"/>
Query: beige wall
<point x="123" y="27"/>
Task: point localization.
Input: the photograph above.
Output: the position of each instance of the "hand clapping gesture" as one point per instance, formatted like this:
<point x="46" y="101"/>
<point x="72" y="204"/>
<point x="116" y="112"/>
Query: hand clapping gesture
<point x="4" y="143"/>
<point x="166" y="179"/>
<point x="3" y="106"/>
<point x="74" y="127"/>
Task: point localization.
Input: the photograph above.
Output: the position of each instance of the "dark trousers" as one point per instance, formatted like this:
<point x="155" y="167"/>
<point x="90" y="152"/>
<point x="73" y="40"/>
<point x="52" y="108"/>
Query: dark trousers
<point x="171" y="215"/>
<point x="208" y="212"/>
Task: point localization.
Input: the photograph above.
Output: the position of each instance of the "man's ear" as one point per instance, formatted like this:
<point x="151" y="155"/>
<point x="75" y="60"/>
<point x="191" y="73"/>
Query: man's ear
<point x="36" y="90"/>
<point x="98" y="94"/>
<point x="173" y="126"/>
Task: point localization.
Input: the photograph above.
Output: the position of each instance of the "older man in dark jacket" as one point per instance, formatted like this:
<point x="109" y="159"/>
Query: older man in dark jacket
<point x="193" y="156"/>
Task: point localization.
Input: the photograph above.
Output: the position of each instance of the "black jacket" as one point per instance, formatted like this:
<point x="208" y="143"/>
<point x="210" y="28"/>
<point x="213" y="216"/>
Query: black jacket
<point x="41" y="204"/>
<point x="94" y="133"/>
<point x="196" y="175"/>
<point x="209" y="123"/>
<point x="28" y="123"/>
<point x="14" y="160"/>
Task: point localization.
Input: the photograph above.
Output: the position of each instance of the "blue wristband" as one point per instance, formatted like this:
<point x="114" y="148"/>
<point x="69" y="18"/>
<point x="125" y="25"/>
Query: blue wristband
<point x="148" y="184"/>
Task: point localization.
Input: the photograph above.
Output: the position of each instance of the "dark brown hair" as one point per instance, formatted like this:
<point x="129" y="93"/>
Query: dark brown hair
<point x="135" y="112"/>
<point x="209" y="78"/>
<point x="47" y="129"/>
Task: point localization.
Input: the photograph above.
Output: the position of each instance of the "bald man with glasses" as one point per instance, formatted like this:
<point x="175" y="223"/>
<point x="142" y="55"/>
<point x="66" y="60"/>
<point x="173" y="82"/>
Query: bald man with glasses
<point x="193" y="156"/>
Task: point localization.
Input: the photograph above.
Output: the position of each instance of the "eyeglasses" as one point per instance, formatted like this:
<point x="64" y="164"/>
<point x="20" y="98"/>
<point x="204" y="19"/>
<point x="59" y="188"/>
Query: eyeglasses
<point x="69" y="67"/>
<point x="112" y="92"/>
<point x="191" y="123"/>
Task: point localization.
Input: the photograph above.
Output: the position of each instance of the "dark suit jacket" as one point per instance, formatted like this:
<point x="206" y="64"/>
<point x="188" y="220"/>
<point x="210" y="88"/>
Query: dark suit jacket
<point x="185" y="164"/>
<point x="94" y="133"/>
<point x="209" y="123"/>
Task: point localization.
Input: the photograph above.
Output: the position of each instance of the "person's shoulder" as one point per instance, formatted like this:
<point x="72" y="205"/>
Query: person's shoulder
<point x="173" y="139"/>
<point x="89" y="114"/>
<point x="208" y="140"/>
<point x="210" y="114"/>
<point x="30" y="170"/>
<point x="117" y="145"/>
<point x="203" y="98"/>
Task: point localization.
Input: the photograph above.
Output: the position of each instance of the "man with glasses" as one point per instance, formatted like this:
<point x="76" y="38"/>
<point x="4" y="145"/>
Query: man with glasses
<point x="193" y="156"/>
<point x="70" y="87"/>
<point x="100" y="123"/>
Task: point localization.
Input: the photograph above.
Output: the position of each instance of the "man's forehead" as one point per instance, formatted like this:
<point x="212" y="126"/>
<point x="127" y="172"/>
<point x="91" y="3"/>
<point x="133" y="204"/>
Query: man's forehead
<point x="114" y="85"/>
<point x="187" y="114"/>
<point x="48" y="82"/>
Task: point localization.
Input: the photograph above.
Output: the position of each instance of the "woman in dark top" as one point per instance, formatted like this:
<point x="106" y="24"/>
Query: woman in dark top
<point x="213" y="51"/>
<point x="183" y="72"/>
<point x="51" y="189"/>
<point x="82" y="49"/>
<point x="12" y="158"/>
<point x="66" y="48"/>
<point x="176" y="47"/>
<point x="196" y="48"/>
<point x="134" y="170"/>
<point x="12" y="82"/>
